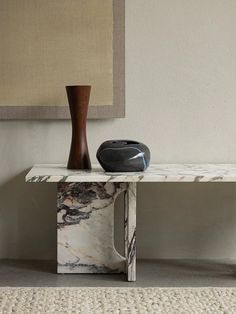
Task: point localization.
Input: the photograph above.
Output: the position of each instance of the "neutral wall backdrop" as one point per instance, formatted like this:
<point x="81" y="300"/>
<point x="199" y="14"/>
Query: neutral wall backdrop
<point x="180" y="101"/>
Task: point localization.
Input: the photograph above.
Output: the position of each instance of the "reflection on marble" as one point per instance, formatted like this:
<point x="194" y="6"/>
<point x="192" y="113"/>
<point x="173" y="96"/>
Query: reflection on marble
<point x="155" y="173"/>
<point x="86" y="228"/>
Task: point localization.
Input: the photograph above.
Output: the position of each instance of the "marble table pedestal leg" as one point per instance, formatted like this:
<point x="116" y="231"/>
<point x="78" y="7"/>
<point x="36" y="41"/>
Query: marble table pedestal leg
<point x="130" y="231"/>
<point x="85" y="228"/>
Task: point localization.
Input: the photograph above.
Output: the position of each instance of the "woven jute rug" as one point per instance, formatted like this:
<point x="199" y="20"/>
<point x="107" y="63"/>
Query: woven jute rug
<point x="117" y="300"/>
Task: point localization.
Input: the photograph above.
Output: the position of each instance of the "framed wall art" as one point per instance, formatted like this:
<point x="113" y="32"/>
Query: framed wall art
<point x="48" y="44"/>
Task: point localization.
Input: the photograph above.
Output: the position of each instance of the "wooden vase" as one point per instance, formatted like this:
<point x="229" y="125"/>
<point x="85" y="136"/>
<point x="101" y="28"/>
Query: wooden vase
<point x="78" y="98"/>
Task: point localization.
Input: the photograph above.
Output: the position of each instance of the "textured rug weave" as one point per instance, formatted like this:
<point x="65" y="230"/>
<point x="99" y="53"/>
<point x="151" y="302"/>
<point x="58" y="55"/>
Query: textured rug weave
<point x="117" y="300"/>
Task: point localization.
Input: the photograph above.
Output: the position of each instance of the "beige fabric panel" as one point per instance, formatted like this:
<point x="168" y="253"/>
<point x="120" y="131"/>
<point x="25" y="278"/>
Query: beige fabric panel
<point x="47" y="44"/>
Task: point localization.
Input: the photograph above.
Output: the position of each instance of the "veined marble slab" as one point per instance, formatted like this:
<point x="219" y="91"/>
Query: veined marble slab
<point x="155" y="173"/>
<point x="85" y="228"/>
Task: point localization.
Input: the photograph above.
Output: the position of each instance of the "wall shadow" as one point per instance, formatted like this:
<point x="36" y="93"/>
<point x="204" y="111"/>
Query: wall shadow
<point x="186" y="220"/>
<point x="27" y="219"/>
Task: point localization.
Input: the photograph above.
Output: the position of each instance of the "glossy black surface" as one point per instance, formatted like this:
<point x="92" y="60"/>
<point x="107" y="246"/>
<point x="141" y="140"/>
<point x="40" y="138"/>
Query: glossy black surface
<point x="123" y="156"/>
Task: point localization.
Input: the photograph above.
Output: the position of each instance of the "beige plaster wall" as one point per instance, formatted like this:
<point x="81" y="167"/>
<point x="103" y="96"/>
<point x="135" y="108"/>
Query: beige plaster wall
<point x="181" y="101"/>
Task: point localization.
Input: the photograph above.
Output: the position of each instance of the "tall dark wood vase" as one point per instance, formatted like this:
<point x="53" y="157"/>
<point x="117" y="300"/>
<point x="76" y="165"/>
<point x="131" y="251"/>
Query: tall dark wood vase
<point x="78" y="97"/>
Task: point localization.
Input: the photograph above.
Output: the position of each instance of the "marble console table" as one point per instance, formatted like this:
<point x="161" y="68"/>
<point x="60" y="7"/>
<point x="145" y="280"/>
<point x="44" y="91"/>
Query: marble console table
<point x="85" y="202"/>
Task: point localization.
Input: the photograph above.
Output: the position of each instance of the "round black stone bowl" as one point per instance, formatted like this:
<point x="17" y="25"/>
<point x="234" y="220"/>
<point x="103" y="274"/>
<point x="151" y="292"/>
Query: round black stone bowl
<point x="123" y="156"/>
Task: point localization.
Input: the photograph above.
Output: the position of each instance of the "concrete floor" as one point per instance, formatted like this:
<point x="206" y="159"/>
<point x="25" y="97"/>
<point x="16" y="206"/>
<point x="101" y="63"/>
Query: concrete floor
<point x="161" y="273"/>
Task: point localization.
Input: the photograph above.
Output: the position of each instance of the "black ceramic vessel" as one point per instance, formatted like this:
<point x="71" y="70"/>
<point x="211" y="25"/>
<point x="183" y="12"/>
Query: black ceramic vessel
<point x="123" y="156"/>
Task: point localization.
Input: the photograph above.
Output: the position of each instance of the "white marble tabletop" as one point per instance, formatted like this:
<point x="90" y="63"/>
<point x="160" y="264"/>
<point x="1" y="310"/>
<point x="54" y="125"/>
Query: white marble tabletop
<point x="155" y="173"/>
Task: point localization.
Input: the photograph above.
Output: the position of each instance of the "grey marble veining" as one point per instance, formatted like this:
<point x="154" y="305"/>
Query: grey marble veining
<point x="130" y="231"/>
<point x="155" y="173"/>
<point x="85" y="228"/>
<point x="85" y="220"/>
<point x="86" y="210"/>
